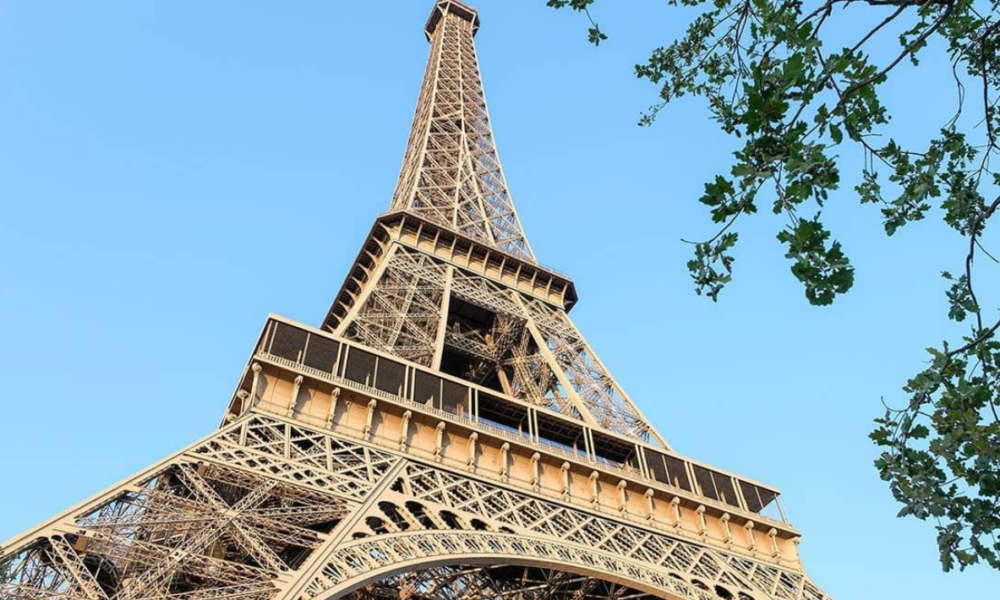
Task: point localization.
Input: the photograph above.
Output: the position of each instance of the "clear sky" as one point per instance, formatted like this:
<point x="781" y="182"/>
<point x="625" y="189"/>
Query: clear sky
<point x="170" y="172"/>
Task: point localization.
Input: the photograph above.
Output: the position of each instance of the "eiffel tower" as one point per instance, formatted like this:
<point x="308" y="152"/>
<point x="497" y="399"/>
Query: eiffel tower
<point x="445" y="433"/>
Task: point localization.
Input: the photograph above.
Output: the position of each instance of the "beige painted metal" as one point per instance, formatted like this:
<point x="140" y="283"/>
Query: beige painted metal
<point x="325" y="482"/>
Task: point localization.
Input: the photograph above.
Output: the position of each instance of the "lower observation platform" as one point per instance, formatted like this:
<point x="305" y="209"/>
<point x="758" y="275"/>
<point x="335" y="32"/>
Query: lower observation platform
<point x="304" y="374"/>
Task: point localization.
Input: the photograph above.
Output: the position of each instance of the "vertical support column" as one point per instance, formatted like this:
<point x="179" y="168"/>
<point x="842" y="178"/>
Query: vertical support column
<point x="536" y="471"/>
<point x="565" y="481"/>
<point x="702" y="523"/>
<point x="370" y="418"/>
<point x="288" y="440"/>
<point x="443" y="319"/>
<point x="334" y="396"/>
<point x="242" y="396"/>
<point x="439" y="442"/>
<point x="650" y="505"/>
<point x="472" y="451"/>
<point x="595" y="490"/>
<point x="404" y="430"/>
<point x="753" y="541"/>
<point x="781" y="509"/>
<point x="255" y="385"/>
<point x="773" y="534"/>
<point x="295" y="396"/>
<point x="504" y="462"/>
<point x="740" y="498"/>
<point x="676" y="503"/>
<point x="727" y="533"/>
<point x="641" y="457"/>
<point x="623" y="497"/>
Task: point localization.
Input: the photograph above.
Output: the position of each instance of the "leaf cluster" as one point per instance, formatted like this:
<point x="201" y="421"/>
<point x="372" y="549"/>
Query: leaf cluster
<point x="792" y="105"/>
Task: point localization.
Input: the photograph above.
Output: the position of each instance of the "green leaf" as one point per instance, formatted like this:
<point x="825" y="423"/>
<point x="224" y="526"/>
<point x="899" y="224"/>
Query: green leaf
<point x="836" y="134"/>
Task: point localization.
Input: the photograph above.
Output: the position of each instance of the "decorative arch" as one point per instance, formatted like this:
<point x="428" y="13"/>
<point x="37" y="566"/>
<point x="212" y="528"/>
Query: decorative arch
<point x="369" y="560"/>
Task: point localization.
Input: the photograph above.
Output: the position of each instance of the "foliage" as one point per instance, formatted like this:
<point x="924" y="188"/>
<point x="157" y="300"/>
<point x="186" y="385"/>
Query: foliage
<point x="763" y="71"/>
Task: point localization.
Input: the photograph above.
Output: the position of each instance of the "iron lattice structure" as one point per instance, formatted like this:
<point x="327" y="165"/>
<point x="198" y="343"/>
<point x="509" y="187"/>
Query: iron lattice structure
<point x="446" y="433"/>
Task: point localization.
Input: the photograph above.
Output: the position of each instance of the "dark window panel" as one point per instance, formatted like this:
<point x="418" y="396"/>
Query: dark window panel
<point x="454" y="398"/>
<point x="321" y="353"/>
<point x="288" y="342"/>
<point x="390" y="376"/>
<point x="427" y="389"/>
<point x="360" y="366"/>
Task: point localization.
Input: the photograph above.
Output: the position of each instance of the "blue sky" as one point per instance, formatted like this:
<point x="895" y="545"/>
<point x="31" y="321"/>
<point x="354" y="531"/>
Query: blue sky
<point x="170" y="172"/>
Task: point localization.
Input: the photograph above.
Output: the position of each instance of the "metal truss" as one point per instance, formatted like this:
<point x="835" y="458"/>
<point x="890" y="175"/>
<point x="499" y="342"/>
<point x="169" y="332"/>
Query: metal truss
<point x="403" y="308"/>
<point x="537" y="352"/>
<point x="451" y="173"/>
<point x="489" y="582"/>
<point x="191" y="530"/>
<point x="512" y="348"/>
<point x="443" y="478"/>
<point x="592" y="383"/>
<point x="222" y="519"/>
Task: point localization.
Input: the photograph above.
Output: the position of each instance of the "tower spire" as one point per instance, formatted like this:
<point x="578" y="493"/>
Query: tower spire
<point x="451" y="172"/>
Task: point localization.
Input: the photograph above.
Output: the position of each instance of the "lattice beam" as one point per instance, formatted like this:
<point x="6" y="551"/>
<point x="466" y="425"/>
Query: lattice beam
<point x="451" y="172"/>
